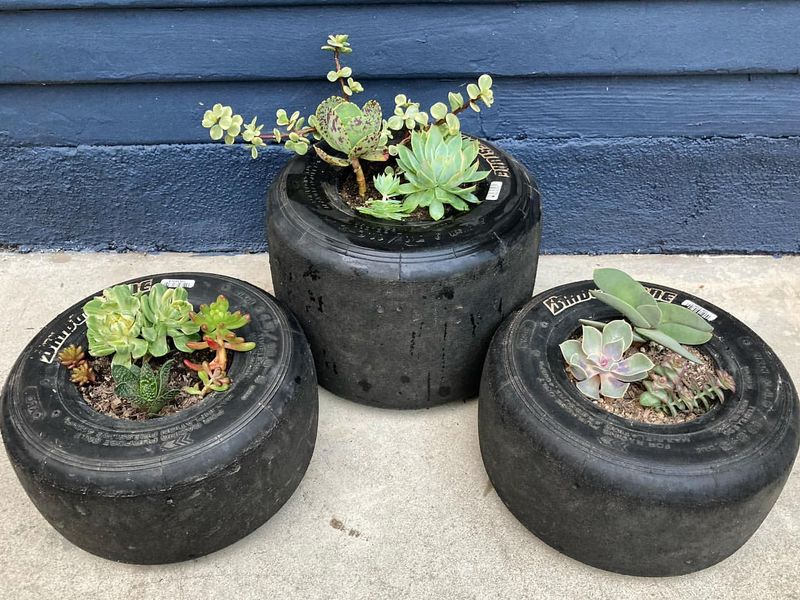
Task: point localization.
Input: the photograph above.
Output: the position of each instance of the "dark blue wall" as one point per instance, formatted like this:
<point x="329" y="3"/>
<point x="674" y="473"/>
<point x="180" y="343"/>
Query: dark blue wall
<point x="661" y="126"/>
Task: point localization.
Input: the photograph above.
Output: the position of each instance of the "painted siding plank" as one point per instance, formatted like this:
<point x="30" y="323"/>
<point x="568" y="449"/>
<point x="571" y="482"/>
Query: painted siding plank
<point x="710" y="195"/>
<point x="119" y="114"/>
<point x="70" y="4"/>
<point x="552" y="38"/>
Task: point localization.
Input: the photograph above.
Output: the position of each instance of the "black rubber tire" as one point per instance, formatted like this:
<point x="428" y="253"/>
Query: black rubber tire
<point x="171" y="488"/>
<point x="649" y="500"/>
<point x="401" y="315"/>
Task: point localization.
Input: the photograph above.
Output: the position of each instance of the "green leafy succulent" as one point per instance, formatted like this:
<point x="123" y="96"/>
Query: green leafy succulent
<point x="598" y="361"/>
<point x="144" y="387"/>
<point x="666" y="324"/>
<point x="167" y="312"/>
<point x="361" y="133"/>
<point x="113" y="325"/>
<point x="353" y="131"/>
<point x="221" y="122"/>
<point x="217" y="323"/>
<point x="439" y="170"/>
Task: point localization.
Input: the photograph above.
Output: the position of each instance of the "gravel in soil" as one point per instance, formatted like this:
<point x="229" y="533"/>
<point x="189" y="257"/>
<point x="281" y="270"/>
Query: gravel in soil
<point x="101" y="397"/>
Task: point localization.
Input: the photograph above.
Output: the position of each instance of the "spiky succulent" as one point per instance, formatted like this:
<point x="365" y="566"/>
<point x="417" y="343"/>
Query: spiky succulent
<point x="216" y="324"/>
<point x="144" y="387"/>
<point x="439" y="170"/>
<point x="167" y="312"/>
<point x="676" y="385"/>
<point x="597" y="361"/>
<point x="113" y="325"/>
<point x="666" y="324"/>
<point x="82" y="374"/>
<point x="71" y="356"/>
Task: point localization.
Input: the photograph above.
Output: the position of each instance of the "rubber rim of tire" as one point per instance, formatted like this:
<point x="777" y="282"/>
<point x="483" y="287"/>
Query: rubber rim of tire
<point x="401" y="315"/>
<point x="639" y="499"/>
<point x="175" y="487"/>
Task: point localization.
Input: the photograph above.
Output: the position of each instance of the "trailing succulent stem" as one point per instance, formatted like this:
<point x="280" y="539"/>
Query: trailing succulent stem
<point x="434" y="174"/>
<point x="677" y="385"/>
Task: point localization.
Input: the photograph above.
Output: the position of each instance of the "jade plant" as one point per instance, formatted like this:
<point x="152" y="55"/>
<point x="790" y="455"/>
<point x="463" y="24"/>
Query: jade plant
<point x="434" y="167"/>
<point x="645" y="347"/>
<point x="145" y="332"/>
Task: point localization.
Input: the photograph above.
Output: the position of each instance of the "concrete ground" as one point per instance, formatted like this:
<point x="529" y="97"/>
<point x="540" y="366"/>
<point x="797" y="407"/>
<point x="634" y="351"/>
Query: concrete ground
<point x="394" y="504"/>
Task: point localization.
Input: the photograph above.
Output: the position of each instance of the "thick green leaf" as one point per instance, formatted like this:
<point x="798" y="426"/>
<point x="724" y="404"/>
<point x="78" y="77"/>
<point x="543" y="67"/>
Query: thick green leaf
<point x="626" y="309"/>
<point x="674" y="313"/>
<point x="685" y="335"/>
<point x="659" y="337"/>
<point x="620" y="284"/>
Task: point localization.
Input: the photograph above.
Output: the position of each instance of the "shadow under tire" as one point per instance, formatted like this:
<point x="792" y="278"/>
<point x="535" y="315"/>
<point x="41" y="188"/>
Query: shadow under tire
<point x="625" y="496"/>
<point x="170" y="488"/>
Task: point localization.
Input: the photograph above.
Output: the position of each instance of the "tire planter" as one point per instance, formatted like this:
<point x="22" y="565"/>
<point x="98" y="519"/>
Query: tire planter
<point x="175" y="487"/>
<point x="625" y="496"/>
<point x="401" y="315"/>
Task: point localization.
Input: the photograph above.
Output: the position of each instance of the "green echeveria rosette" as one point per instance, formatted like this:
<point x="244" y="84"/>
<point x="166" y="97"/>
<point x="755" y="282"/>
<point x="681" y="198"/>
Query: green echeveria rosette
<point x="166" y="312"/>
<point x="113" y="325"/>
<point x="439" y="170"/>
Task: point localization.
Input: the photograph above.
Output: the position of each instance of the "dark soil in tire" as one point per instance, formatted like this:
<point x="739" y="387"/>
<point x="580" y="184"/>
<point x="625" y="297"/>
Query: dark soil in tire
<point x="621" y="495"/>
<point x="175" y="487"/>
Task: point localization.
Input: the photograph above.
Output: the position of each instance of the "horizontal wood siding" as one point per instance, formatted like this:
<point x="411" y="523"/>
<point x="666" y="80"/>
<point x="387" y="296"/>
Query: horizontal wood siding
<point x="688" y="110"/>
<point x="541" y="39"/>
<point x="162" y="113"/>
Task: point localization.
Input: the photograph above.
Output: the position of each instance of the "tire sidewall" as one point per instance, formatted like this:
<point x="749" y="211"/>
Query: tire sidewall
<point x="52" y="433"/>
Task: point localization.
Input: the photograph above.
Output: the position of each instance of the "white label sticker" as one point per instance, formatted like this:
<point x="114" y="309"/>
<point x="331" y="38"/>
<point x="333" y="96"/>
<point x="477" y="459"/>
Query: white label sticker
<point x="178" y="283"/>
<point x="703" y="312"/>
<point x="494" y="190"/>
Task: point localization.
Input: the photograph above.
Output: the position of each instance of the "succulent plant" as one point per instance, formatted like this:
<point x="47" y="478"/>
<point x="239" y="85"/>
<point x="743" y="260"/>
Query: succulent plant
<point x="113" y="325"/>
<point x="439" y="170"/>
<point x="598" y="360"/>
<point x="144" y="387"/>
<point x="666" y="324"/>
<point x="212" y="379"/>
<point x="216" y="323"/>
<point x="221" y="122"/>
<point x="353" y="131"/>
<point x="362" y="134"/>
<point x="82" y="374"/>
<point x="71" y="356"/>
<point x="167" y="312"/>
<point x="676" y="385"/>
